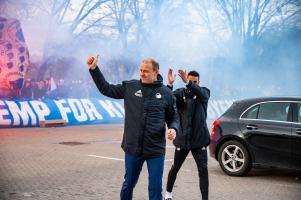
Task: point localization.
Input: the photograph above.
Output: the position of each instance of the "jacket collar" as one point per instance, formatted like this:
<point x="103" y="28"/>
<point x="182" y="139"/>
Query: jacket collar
<point x="158" y="82"/>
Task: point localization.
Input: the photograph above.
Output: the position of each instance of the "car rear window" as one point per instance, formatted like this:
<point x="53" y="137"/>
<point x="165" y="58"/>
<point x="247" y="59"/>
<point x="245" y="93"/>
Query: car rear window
<point x="251" y="113"/>
<point x="277" y="111"/>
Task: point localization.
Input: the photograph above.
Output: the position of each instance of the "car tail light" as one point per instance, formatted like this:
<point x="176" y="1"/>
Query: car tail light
<point x="214" y="129"/>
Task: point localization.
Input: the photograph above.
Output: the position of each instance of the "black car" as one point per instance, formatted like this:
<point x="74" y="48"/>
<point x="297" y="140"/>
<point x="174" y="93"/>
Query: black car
<point x="263" y="132"/>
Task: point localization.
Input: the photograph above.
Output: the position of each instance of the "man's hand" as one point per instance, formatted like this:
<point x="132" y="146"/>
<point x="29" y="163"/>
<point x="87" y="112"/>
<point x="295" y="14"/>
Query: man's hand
<point x="171" y="77"/>
<point x="183" y="75"/>
<point x="171" y="134"/>
<point x="92" y="62"/>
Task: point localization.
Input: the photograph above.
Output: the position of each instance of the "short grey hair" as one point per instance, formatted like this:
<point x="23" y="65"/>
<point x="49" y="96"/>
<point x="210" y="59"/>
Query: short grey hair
<point x="154" y="63"/>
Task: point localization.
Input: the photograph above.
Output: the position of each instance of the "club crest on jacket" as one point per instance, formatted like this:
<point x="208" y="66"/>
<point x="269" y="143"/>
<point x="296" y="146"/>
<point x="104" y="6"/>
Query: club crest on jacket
<point x="158" y="95"/>
<point x="138" y="93"/>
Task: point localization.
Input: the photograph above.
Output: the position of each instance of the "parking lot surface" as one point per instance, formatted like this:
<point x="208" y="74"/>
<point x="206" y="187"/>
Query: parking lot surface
<point x="86" y="163"/>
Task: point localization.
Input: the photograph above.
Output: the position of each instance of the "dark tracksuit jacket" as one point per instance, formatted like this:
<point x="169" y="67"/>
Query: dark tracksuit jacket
<point x="192" y="103"/>
<point x="148" y="107"/>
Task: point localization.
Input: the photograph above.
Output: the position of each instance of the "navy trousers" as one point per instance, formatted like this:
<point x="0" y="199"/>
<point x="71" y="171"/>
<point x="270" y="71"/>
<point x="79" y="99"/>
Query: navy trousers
<point x="133" y="166"/>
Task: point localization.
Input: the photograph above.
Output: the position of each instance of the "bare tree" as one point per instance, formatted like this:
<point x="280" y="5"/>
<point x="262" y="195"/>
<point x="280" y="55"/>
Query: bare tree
<point x="246" y="20"/>
<point x="138" y="10"/>
<point x="72" y="20"/>
<point x="122" y="18"/>
<point x="151" y="23"/>
<point x="17" y="9"/>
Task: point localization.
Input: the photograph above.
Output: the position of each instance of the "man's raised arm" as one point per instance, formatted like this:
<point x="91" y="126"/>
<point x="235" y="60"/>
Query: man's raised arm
<point x="107" y="89"/>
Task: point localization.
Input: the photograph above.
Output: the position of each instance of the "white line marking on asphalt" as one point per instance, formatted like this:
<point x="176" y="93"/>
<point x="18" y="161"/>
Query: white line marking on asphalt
<point x="104" y="157"/>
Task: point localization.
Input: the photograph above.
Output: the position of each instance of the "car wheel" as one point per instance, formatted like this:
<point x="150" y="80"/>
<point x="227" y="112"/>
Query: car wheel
<point x="234" y="158"/>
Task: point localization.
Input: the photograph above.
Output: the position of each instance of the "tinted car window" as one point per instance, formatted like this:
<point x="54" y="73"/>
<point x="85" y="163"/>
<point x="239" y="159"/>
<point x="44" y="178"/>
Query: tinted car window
<point x="273" y="111"/>
<point x="299" y="113"/>
<point x="251" y="113"/>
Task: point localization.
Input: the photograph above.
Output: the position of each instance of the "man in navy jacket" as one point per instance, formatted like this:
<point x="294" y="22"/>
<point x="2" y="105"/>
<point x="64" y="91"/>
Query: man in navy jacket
<point x="149" y="106"/>
<point x="193" y="134"/>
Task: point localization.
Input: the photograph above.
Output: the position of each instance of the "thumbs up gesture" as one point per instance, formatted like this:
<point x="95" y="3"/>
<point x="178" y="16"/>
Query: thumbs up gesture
<point x="92" y="61"/>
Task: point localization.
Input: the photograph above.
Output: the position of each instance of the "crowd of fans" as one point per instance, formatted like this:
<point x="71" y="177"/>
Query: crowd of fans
<point x="87" y="89"/>
<point x="124" y="69"/>
<point x="117" y="69"/>
<point x="57" y="89"/>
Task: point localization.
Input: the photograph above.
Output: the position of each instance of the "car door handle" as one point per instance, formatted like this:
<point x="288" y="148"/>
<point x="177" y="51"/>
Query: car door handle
<point x="251" y="127"/>
<point x="298" y="131"/>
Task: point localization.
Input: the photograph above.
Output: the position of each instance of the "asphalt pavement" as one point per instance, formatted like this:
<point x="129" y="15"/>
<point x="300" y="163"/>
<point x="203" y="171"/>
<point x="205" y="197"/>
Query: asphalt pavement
<point x="86" y="163"/>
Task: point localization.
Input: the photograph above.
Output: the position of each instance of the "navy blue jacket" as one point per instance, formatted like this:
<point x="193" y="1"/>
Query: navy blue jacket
<point x="192" y="103"/>
<point x="148" y="108"/>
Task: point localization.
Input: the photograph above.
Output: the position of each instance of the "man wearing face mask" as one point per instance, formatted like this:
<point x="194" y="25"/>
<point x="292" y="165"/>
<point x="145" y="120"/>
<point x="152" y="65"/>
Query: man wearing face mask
<point x="193" y="134"/>
<point x="149" y="105"/>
